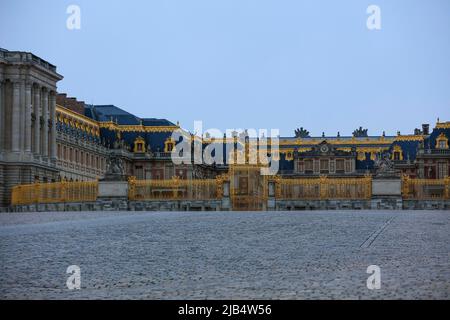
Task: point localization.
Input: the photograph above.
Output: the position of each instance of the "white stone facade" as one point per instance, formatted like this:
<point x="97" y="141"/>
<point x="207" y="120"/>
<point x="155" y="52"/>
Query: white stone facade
<point x="27" y="120"/>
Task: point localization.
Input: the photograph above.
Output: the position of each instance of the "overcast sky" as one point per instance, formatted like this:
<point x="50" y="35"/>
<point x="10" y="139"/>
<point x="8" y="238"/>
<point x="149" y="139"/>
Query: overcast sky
<point x="248" y="64"/>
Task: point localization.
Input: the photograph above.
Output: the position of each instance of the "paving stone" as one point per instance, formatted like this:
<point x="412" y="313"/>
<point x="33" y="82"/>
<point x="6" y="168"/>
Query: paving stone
<point x="225" y="255"/>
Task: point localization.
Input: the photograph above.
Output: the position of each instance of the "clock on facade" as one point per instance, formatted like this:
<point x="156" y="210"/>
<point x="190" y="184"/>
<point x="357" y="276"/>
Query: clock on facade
<point x="324" y="148"/>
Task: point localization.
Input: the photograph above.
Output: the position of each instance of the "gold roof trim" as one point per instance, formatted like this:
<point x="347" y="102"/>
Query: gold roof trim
<point x="443" y="125"/>
<point x="76" y="115"/>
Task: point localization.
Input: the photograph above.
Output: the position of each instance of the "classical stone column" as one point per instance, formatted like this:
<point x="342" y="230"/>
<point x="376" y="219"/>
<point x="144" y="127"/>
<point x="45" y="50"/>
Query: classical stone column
<point x="15" y="128"/>
<point x="27" y="117"/>
<point x="44" y="150"/>
<point x="53" y="125"/>
<point x="37" y="121"/>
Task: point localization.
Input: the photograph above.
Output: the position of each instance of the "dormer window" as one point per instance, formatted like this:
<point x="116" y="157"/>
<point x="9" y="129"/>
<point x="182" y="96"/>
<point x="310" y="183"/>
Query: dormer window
<point x="442" y="142"/>
<point x="397" y="153"/>
<point x="139" y="145"/>
<point x="289" y="156"/>
<point x="169" y="145"/>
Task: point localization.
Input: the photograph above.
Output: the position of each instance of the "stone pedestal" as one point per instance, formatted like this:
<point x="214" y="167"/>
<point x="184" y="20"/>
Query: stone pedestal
<point x="113" y="189"/>
<point x="387" y="193"/>
<point x="112" y="195"/>
<point x="387" y="187"/>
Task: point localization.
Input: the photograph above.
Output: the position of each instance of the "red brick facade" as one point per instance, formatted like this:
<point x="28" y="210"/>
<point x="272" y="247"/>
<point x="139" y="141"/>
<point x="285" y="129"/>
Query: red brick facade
<point x="70" y="103"/>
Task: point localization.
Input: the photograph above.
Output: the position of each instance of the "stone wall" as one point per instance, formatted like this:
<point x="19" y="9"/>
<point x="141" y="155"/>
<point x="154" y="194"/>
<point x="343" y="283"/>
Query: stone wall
<point x="347" y="204"/>
<point x="426" y="204"/>
<point x="124" y="205"/>
<point x="220" y="205"/>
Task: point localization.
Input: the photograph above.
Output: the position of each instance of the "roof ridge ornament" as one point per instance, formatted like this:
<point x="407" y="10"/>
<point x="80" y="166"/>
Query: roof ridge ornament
<point x="360" y="132"/>
<point x="301" y="133"/>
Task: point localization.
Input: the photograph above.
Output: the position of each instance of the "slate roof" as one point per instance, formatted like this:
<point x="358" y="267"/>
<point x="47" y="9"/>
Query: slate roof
<point x="110" y="112"/>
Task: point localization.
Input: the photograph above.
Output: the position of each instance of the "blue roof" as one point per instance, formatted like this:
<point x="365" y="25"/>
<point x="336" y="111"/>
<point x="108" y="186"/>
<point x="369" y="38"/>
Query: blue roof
<point x="156" y="122"/>
<point x="110" y="112"/>
<point x="431" y="141"/>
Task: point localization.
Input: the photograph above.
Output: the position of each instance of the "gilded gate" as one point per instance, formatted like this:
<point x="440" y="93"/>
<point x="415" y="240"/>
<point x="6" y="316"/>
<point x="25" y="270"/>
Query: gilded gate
<point x="248" y="188"/>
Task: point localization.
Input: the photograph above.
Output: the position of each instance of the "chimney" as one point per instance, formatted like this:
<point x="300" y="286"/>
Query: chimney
<point x="61" y="99"/>
<point x="426" y="129"/>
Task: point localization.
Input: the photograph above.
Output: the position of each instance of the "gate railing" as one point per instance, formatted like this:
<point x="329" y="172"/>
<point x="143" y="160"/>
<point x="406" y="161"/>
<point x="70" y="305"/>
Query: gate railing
<point x="55" y="192"/>
<point x="175" y="189"/>
<point x="322" y="188"/>
<point x="423" y="189"/>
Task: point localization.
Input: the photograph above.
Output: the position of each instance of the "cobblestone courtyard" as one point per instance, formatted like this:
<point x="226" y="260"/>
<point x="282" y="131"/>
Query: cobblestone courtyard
<point x="226" y="255"/>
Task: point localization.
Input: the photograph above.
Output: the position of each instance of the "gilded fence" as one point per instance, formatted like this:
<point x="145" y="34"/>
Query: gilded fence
<point x="56" y="192"/>
<point x="323" y="188"/>
<point x="174" y="189"/>
<point x="425" y="189"/>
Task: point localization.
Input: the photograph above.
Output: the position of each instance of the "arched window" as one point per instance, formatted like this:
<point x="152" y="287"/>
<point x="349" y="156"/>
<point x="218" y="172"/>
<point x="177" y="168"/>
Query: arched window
<point x="397" y="153"/>
<point x="442" y="141"/>
<point x="169" y="144"/>
<point x="139" y="145"/>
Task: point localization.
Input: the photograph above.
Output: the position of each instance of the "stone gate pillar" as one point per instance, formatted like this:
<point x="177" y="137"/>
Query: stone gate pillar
<point x="386" y="193"/>
<point x="226" y="203"/>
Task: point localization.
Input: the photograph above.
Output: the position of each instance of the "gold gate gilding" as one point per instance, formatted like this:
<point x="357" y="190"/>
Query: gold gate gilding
<point x="323" y="188"/>
<point x="174" y="189"/>
<point x="248" y="188"/>
<point x="424" y="189"/>
<point x="55" y="192"/>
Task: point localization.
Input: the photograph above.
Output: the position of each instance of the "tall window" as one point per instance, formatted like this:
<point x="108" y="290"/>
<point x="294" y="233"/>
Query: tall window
<point x="348" y="166"/>
<point x="309" y="165"/>
<point x="332" y="168"/>
<point x="324" y="165"/>
<point x="339" y="165"/>
<point x="139" y="172"/>
<point x="442" y="170"/>
<point x="301" y="166"/>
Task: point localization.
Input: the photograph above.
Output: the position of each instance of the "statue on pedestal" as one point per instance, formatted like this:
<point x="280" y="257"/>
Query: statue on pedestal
<point x="115" y="169"/>
<point x="384" y="166"/>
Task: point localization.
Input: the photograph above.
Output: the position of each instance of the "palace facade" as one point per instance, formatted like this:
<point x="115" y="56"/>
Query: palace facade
<point x="49" y="137"/>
